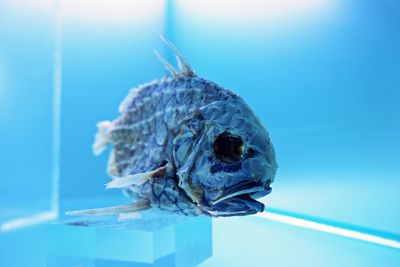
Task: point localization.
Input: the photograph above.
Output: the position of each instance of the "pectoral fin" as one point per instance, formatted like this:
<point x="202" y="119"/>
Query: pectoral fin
<point x="140" y="205"/>
<point x="136" y="179"/>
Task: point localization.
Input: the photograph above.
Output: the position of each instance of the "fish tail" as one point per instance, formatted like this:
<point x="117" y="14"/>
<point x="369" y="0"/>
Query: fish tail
<point x="103" y="137"/>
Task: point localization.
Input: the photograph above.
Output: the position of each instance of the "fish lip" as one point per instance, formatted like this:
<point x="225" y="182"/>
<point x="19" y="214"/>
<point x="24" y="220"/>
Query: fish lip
<point x="242" y="204"/>
<point x="239" y="200"/>
<point x="251" y="188"/>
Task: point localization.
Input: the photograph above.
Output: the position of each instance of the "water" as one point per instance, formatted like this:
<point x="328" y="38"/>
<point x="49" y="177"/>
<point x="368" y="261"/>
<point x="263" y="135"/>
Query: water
<point x="322" y="75"/>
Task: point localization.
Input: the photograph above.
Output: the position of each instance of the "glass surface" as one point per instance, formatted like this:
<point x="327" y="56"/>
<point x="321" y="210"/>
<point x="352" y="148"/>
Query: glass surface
<point x="236" y="242"/>
<point x="107" y="50"/>
<point x="27" y="57"/>
<point x="157" y="239"/>
<point x="249" y="241"/>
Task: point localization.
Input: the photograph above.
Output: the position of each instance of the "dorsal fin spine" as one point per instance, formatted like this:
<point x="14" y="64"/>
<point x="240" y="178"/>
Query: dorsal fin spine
<point x="184" y="67"/>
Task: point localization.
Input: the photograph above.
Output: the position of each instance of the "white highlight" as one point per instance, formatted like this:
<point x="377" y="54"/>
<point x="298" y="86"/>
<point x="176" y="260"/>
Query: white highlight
<point x="38" y="5"/>
<point x="116" y="11"/>
<point x="329" y="229"/>
<point x="28" y="221"/>
<point x="56" y="130"/>
<point x="247" y="12"/>
<point x="2" y="79"/>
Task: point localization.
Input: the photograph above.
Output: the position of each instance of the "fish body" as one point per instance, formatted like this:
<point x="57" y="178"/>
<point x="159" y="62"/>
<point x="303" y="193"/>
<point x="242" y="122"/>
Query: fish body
<point x="188" y="145"/>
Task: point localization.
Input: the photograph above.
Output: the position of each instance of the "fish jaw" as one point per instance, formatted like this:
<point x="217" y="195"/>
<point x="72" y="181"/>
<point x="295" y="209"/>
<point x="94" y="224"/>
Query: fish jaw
<point x="239" y="205"/>
<point x="238" y="200"/>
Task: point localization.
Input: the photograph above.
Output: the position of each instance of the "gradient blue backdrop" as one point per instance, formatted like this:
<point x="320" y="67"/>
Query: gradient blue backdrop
<point x="323" y="76"/>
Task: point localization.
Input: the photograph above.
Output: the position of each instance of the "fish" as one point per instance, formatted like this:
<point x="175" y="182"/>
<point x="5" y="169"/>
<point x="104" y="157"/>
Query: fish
<point x="185" y="144"/>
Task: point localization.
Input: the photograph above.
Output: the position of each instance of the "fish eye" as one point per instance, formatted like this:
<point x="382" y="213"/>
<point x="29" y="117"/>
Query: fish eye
<point x="228" y="147"/>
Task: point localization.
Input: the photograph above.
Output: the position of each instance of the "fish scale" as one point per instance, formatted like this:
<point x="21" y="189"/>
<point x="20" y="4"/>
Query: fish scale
<point x="147" y="126"/>
<point x="150" y="124"/>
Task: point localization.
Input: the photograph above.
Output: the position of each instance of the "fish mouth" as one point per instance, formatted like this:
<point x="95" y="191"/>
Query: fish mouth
<point x="239" y="200"/>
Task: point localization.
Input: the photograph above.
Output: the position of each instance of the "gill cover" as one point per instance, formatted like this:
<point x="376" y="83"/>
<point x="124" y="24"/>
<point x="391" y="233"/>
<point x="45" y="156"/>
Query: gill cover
<point x="223" y="147"/>
<point x="187" y="145"/>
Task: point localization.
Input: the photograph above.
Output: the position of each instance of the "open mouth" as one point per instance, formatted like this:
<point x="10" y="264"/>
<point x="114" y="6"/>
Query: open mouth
<point x="239" y="200"/>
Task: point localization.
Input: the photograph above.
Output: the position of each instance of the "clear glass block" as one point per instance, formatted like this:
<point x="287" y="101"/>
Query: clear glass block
<point x="29" y="112"/>
<point x="157" y="239"/>
<point x="107" y="49"/>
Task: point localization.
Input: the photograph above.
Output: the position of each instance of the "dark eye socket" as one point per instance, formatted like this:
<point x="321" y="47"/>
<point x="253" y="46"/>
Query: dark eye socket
<point x="251" y="152"/>
<point x="228" y="147"/>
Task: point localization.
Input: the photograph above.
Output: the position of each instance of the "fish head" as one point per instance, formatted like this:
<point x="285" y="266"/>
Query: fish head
<point x="230" y="162"/>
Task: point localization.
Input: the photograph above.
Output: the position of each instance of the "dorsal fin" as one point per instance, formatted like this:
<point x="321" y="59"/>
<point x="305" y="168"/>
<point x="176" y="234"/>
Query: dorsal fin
<point x="166" y="64"/>
<point x="184" y="67"/>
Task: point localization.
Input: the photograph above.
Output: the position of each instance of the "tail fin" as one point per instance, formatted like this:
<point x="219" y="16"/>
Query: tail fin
<point x="103" y="137"/>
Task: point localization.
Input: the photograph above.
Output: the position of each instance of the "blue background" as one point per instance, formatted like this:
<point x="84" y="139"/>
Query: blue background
<point x="322" y="75"/>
